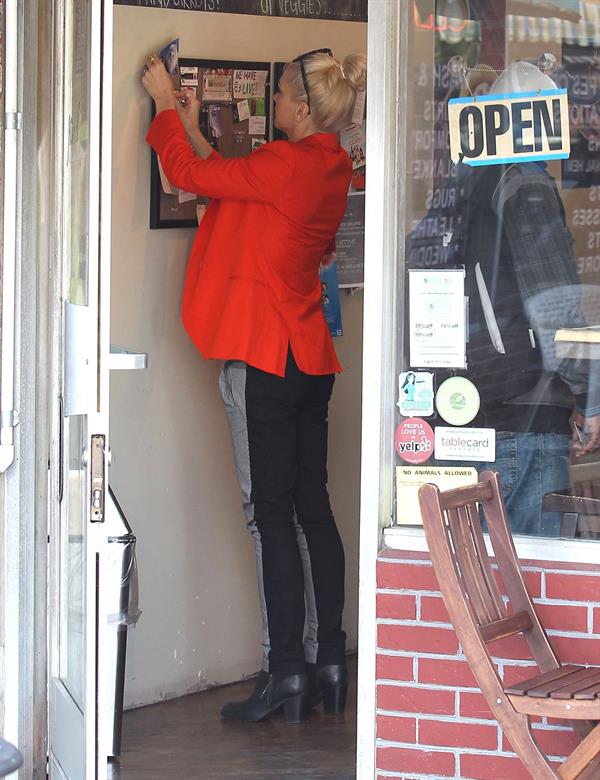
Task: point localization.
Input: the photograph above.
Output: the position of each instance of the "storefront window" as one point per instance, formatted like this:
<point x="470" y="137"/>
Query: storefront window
<point x="499" y="363"/>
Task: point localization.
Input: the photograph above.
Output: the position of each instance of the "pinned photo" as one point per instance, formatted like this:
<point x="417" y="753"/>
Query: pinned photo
<point x="214" y="120"/>
<point x="170" y="56"/>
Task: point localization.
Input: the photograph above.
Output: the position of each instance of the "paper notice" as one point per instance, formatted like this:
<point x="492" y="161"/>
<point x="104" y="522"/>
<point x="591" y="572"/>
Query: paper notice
<point x="216" y="84"/>
<point x="200" y="211"/>
<point x="242" y="110"/>
<point x="189" y="76"/>
<point x="249" y="83"/>
<point x="167" y="189"/>
<point x="358" y="115"/>
<point x="410" y="478"/>
<point x="257" y="125"/>
<point x="183" y="196"/>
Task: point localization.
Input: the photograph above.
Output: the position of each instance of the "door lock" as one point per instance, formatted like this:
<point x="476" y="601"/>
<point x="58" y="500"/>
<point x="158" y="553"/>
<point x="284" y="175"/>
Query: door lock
<point x="97" y="491"/>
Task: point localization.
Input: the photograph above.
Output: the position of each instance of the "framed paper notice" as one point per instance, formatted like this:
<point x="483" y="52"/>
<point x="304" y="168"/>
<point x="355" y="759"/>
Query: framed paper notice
<point x="410" y="478"/>
<point x="437" y="318"/>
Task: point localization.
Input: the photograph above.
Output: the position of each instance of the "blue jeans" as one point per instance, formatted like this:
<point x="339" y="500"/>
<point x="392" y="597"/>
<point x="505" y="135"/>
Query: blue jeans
<point x="530" y="465"/>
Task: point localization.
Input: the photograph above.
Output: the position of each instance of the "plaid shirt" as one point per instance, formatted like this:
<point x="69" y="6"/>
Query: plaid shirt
<point x="528" y="205"/>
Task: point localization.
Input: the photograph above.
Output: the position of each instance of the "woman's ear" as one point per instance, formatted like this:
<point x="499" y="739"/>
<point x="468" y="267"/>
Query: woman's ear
<point x="301" y="111"/>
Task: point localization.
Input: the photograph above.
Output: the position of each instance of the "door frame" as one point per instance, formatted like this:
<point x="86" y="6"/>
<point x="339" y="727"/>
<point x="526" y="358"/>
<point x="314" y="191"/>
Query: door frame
<point x="23" y="487"/>
<point x="384" y="230"/>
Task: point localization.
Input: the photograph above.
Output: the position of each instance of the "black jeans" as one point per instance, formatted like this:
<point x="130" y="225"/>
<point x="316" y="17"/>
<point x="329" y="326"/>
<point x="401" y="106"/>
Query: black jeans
<point x="287" y="447"/>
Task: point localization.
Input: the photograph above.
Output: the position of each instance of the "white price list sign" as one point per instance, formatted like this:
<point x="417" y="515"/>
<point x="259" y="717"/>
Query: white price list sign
<point x="437" y="318"/>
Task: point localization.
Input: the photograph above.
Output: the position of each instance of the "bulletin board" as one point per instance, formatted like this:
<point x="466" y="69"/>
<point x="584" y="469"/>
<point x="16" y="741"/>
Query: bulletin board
<point x="234" y="118"/>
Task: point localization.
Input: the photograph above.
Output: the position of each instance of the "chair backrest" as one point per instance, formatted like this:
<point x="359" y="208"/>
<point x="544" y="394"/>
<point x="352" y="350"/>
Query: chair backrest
<point x="467" y="579"/>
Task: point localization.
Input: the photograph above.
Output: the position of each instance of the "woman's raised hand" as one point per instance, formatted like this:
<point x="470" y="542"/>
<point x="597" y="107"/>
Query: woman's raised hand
<point x="157" y="83"/>
<point x="188" y="108"/>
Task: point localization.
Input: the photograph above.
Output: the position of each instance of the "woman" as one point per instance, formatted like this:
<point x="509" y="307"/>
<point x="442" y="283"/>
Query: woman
<point x="252" y="298"/>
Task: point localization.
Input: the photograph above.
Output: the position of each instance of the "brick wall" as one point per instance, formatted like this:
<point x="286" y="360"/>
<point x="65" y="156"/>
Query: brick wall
<point x="432" y="722"/>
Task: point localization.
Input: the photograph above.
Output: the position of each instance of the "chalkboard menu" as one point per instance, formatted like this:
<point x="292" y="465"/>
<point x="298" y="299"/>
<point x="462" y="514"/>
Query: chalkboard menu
<point x="340" y="10"/>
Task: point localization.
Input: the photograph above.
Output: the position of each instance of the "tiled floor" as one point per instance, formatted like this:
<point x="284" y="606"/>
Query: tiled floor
<point x="185" y="739"/>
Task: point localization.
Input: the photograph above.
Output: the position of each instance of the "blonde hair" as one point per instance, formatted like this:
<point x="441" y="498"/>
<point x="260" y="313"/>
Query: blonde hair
<point x="333" y="87"/>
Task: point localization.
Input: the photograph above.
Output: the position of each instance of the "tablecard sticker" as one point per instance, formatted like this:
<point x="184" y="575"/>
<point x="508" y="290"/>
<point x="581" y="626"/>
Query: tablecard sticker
<point x="457" y="400"/>
<point x="465" y="444"/>
<point x="414" y="440"/>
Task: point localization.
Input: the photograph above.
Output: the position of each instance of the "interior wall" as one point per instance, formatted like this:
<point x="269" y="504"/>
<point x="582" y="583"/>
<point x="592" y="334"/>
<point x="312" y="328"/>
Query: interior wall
<point x="172" y="460"/>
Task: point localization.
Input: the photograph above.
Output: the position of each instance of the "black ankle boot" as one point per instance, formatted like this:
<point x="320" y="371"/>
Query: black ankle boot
<point x="329" y="684"/>
<point x="271" y="693"/>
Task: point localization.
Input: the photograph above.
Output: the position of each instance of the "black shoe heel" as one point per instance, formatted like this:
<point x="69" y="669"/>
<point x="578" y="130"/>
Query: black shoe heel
<point x="296" y="709"/>
<point x="334" y="699"/>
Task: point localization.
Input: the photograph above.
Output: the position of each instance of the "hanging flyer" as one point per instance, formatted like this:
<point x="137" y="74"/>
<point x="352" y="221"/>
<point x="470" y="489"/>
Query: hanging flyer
<point x="330" y="299"/>
<point x="437" y="318"/>
<point x="410" y="478"/>
<point x="350" y="242"/>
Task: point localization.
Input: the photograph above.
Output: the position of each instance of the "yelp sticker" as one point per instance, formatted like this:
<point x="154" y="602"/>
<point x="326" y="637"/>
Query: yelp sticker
<point x="414" y="440"/>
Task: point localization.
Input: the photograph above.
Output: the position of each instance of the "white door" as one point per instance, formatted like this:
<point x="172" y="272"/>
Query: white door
<point x="79" y="457"/>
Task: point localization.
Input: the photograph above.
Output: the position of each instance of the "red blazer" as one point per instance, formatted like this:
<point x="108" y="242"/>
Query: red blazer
<point x="252" y="284"/>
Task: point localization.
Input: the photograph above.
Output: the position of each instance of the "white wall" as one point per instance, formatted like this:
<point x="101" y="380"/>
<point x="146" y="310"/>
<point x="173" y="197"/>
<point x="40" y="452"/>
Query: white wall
<point x="173" y="467"/>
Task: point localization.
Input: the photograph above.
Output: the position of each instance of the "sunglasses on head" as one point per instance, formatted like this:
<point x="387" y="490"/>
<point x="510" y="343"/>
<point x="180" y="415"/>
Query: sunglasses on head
<point x="300" y="61"/>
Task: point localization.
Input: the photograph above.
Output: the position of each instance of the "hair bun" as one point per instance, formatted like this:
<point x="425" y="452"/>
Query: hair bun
<point x="354" y="69"/>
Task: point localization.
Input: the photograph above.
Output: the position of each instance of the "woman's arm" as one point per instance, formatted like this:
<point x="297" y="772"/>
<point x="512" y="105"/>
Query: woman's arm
<point x="188" y="108"/>
<point x="260" y="177"/>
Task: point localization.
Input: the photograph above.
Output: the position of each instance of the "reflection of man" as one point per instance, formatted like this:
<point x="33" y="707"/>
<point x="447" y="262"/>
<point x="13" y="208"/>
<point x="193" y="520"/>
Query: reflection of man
<point x="522" y="286"/>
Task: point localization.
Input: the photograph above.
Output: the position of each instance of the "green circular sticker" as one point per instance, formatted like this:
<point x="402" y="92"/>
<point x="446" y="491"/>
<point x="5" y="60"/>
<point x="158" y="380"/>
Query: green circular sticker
<point x="457" y="400"/>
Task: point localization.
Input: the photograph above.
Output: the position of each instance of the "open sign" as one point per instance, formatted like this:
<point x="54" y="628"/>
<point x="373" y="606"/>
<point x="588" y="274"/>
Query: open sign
<point x="516" y="127"/>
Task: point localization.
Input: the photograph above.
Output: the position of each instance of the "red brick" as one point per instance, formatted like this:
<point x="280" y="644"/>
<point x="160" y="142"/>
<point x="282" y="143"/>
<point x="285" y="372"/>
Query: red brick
<point x="419" y="639"/>
<point x="436" y="763"/>
<point x="566" y="566"/>
<point x="597" y="620"/>
<point x="474" y="705"/>
<point x="516" y="674"/>
<point x="563" y="617"/>
<point x="393" y="605"/>
<point x="478" y="767"/>
<point x="394" y="667"/>
<point x="446" y="672"/>
<point x="433" y="610"/>
<point x="513" y="647"/>
<point x="533" y="583"/>
<point x="406" y="576"/>
<point x="421" y="700"/>
<point x="457" y="734"/>
<point x="576" y="650"/>
<point x="573" y="587"/>
<point x="552" y="742"/>
<point x="394" y="729"/>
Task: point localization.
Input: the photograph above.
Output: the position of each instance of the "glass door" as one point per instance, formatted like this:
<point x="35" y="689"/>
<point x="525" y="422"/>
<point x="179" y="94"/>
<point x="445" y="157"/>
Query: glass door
<point x="78" y="465"/>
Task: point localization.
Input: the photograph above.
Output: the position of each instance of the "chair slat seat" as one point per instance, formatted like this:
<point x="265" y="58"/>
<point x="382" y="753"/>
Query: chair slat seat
<point x="558" y="686"/>
<point x="593" y="692"/>
<point x="520" y="689"/>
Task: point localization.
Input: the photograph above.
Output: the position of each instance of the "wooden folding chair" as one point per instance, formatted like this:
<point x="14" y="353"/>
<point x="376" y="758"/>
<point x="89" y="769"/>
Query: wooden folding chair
<point x="480" y="615"/>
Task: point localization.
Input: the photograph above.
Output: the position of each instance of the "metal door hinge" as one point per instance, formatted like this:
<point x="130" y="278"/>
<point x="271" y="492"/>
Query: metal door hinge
<point x="13" y="120"/>
<point x="97" y="491"/>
